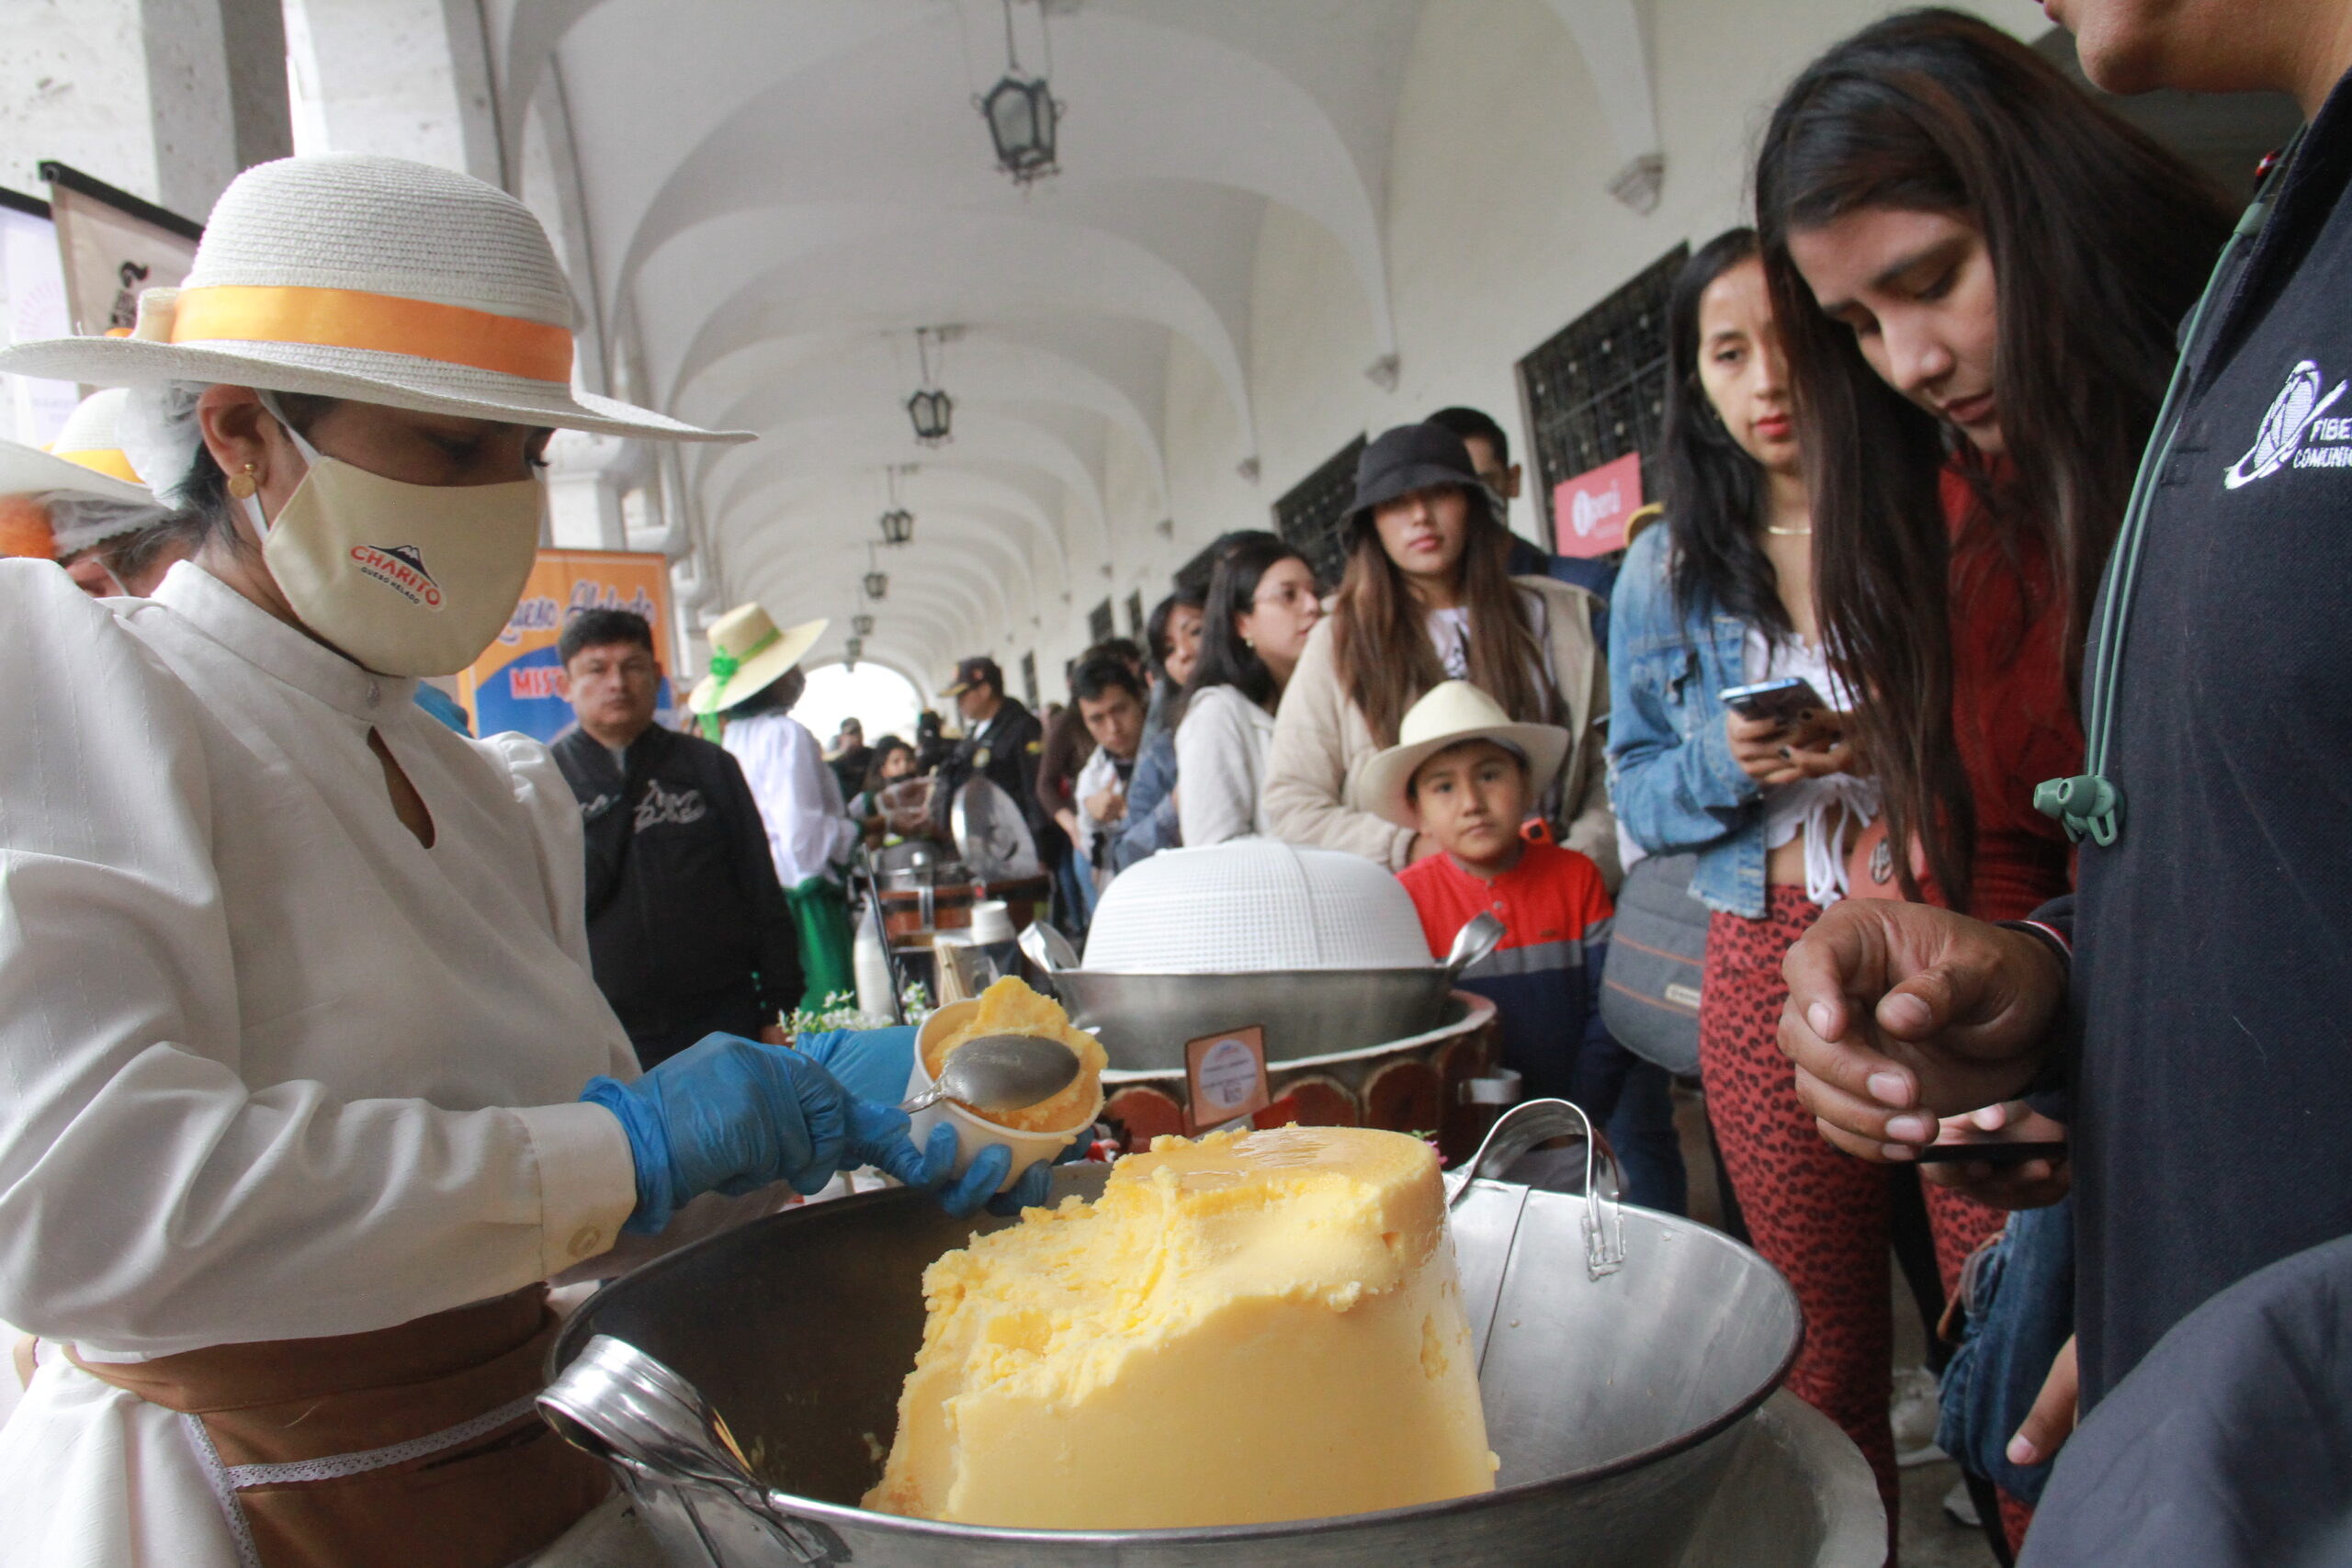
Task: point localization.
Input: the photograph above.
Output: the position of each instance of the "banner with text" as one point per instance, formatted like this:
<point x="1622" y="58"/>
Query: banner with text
<point x="1588" y="512"/>
<point x="515" y="685"/>
<point x="115" y="246"/>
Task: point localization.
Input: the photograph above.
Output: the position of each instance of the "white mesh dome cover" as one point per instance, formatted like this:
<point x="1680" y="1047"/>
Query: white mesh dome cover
<point x="1254" y="905"/>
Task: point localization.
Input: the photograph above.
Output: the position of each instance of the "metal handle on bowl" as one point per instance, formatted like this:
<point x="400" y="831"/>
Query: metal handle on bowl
<point x="623" y="1406"/>
<point x="1532" y="1122"/>
<point x="1046" y="948"/>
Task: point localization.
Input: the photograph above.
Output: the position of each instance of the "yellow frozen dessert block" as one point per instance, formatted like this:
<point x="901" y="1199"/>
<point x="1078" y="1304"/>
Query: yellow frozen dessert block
<point x="1251" y="1327"/>
<point x="1009" y="1006"/>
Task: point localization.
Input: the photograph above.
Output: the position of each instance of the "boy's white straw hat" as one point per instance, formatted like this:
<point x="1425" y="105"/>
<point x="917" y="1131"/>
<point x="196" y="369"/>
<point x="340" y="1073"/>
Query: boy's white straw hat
<point x="1452" y="713"/>
<point x="349" y="274"/>
<point x="86" y="459"/>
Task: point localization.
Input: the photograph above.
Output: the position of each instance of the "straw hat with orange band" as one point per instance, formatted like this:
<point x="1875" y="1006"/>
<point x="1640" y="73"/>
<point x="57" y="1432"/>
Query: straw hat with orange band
<point x="79" y="492"/>
<point x="352" y="275"/>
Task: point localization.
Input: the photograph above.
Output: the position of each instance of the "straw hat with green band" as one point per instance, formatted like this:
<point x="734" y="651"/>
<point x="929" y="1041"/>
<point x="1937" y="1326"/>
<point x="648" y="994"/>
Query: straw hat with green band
<point x="748" y="654"/>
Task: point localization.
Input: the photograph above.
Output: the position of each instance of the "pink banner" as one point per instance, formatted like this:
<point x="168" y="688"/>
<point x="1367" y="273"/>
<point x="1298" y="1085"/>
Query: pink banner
<point x="1588" y="512"/>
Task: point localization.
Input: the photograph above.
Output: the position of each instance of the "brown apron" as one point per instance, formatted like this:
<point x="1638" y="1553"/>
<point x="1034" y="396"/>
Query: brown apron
<point x="409" y="1444"/>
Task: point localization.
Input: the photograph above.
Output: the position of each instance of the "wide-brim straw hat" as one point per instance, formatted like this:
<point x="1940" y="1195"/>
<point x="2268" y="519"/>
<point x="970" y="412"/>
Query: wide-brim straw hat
<point x="748" y="655"/>
<point x="1453" y="713"/>
<point x="85" y="460"/>
<point x="349" y="274"/>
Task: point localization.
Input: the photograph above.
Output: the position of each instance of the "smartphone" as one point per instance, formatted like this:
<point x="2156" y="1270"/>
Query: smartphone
<point x="1779" y="700"/>
<point x="1991" y="1152"/>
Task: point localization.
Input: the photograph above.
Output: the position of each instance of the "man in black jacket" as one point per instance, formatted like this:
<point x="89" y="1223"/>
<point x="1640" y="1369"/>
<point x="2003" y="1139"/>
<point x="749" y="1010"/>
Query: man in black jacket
<point x="1002" y="743"/>
<point x="2193" y="995"/>
<point x="689" y="932"/>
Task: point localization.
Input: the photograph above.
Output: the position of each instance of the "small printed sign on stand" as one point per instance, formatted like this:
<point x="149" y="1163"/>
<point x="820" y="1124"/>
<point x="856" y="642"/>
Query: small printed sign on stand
<point x="1225" y="1076"/>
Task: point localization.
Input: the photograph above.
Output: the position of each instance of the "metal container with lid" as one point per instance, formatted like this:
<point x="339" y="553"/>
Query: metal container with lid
<point x="1617" y="1394"/>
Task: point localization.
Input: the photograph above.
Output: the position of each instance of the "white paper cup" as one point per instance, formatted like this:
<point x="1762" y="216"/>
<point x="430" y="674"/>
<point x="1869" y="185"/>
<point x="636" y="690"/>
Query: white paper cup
<point x="991" y="922"/>
<point x="973" y="1131"/>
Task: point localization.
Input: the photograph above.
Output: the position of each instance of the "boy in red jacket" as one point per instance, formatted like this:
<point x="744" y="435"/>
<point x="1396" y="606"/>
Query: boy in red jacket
<point x="1466" y="775"/>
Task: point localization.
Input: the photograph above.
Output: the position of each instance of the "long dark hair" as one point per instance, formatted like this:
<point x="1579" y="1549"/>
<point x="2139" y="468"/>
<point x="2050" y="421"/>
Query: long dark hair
<point x="2099" y="241"/>
<point x="1714" y="491"/>
<point x="1226" y="660"/>
<point x="1380" y="643"/>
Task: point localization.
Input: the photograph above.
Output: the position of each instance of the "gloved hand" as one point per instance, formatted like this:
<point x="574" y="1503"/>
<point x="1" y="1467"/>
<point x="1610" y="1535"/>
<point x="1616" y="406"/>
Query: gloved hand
<point x="731" y="1115"/>
<point x="878" y="1063"/>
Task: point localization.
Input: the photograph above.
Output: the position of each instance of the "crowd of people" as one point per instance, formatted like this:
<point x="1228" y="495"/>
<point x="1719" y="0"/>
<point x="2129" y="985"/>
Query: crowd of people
<point x="1961" y="710"/>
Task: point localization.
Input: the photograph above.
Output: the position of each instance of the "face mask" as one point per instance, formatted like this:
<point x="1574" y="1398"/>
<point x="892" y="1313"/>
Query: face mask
<point x="406" y="579"/>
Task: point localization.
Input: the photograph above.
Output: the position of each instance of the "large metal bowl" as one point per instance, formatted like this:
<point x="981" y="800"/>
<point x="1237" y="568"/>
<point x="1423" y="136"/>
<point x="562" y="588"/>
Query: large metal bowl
<point x="1144" y="1021"/>
<point x="1616" y="1399"/>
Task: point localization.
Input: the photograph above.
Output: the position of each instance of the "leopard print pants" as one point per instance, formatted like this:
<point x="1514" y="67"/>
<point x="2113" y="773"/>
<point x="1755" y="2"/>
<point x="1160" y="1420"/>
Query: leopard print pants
<point x="1818" y="1215"/>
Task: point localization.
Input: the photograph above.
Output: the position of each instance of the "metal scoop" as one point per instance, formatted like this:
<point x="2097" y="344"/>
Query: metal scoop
<point x="1002" y="1072"/>
<point x="1479" y="936"/>
<point x="1047" y="948"/>
<point x="621" y="1404"/>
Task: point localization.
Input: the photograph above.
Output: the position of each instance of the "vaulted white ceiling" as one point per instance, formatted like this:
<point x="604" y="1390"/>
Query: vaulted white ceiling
<point x="766" y="199"/>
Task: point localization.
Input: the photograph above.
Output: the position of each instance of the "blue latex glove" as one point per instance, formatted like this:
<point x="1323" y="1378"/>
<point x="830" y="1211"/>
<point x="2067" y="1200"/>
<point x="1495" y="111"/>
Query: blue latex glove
<point x="872" y="1063"/>
<point x="731" y="1115"/>
<point x="878" y="1063"/>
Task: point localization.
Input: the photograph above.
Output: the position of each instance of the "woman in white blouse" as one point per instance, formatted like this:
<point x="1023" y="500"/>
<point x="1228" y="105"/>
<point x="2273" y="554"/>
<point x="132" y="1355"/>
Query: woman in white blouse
<point x="1261" y="604"/>
<point x="304" y="1085"/>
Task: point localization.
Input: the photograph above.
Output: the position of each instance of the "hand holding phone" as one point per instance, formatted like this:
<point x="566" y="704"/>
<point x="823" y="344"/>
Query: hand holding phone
<point x="1777" y="700"/>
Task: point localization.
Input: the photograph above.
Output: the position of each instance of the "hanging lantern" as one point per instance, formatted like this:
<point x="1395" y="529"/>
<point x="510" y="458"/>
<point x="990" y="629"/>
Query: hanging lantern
<point x="931" y="410"/>
<point x="855" y="650"/>
<point x="1021" y="114"/>
<point x="877" y="584"/>
<point x="898" y="526"/>
<point x="862" y="625"/>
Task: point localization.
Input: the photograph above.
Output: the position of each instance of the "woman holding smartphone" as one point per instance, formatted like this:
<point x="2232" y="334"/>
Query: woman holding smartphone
<point x="1720" y="598"/>
<point x="1978" y="273"/>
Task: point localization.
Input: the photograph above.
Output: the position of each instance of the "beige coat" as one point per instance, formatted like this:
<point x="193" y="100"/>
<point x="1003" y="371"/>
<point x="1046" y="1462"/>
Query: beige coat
<point x="1322" y="742"/>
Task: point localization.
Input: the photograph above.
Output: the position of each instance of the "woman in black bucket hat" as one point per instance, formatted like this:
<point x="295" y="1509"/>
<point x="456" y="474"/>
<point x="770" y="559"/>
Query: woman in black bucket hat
<point x="1429" y="596"/>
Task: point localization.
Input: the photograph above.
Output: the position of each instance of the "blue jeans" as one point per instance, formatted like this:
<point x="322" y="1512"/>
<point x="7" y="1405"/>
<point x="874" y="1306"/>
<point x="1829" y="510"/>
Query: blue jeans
<point x="2021" y="1310"/>
<point x="1649" y="1151"/>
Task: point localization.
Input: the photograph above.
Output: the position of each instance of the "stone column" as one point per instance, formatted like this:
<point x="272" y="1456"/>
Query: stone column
<point x="165" y="98"/>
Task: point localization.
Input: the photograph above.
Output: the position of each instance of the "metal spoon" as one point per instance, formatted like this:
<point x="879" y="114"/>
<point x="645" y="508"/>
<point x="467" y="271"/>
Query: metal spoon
<point x="1002" y="1072"/>
<point x="1047" y="948"/>
<point x="1478" y="937"/>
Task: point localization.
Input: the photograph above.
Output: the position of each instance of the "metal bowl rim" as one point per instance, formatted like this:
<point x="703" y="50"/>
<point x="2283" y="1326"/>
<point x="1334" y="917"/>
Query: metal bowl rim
<point x="1471" y="1018"/>
<point x="562" y="1352"/>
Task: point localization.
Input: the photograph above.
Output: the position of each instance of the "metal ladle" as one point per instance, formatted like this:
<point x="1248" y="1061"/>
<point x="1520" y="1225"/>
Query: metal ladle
<point x="1478" y="937"/>
<point x="1002" y="1072"/>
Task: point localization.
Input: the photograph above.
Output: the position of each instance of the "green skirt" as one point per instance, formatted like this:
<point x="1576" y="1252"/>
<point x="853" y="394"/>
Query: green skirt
<point x="821" y="913"/>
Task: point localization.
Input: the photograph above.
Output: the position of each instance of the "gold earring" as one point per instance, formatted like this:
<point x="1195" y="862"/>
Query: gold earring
<point x="243" y="485"/>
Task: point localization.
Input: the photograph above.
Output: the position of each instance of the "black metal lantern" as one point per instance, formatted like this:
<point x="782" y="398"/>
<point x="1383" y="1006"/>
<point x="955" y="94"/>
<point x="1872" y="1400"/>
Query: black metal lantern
<point x="898" y="526"/>
<point x="876" y="584"/>
<point x="1022" y="116"/>
<point x="855" y="650"/>
<point x="932" y="411"/>
<point x="862" y="625"/>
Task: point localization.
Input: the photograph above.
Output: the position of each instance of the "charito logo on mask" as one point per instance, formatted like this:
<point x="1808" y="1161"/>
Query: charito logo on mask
<point x="400" y="567"/>
<point x="379" y="603"/>
<point x="2295" y="434"/>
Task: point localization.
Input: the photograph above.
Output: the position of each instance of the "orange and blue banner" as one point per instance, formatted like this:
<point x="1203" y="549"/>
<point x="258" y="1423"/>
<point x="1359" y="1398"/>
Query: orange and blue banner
<point x="516" y="684"/>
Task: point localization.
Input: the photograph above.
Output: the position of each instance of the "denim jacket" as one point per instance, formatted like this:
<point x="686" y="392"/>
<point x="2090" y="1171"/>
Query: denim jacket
<point x="1670" y="771"/>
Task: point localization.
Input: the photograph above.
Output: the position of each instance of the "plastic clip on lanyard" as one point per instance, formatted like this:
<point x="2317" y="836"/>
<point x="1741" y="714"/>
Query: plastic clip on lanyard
<point x="2090" y="804"/>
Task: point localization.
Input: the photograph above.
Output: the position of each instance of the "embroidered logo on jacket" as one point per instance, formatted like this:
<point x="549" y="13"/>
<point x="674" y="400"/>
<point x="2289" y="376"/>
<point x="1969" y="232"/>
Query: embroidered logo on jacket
<point x="660" y="805"/>
<point x="400" y="567"/>
<point x="2294" y="433"/>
